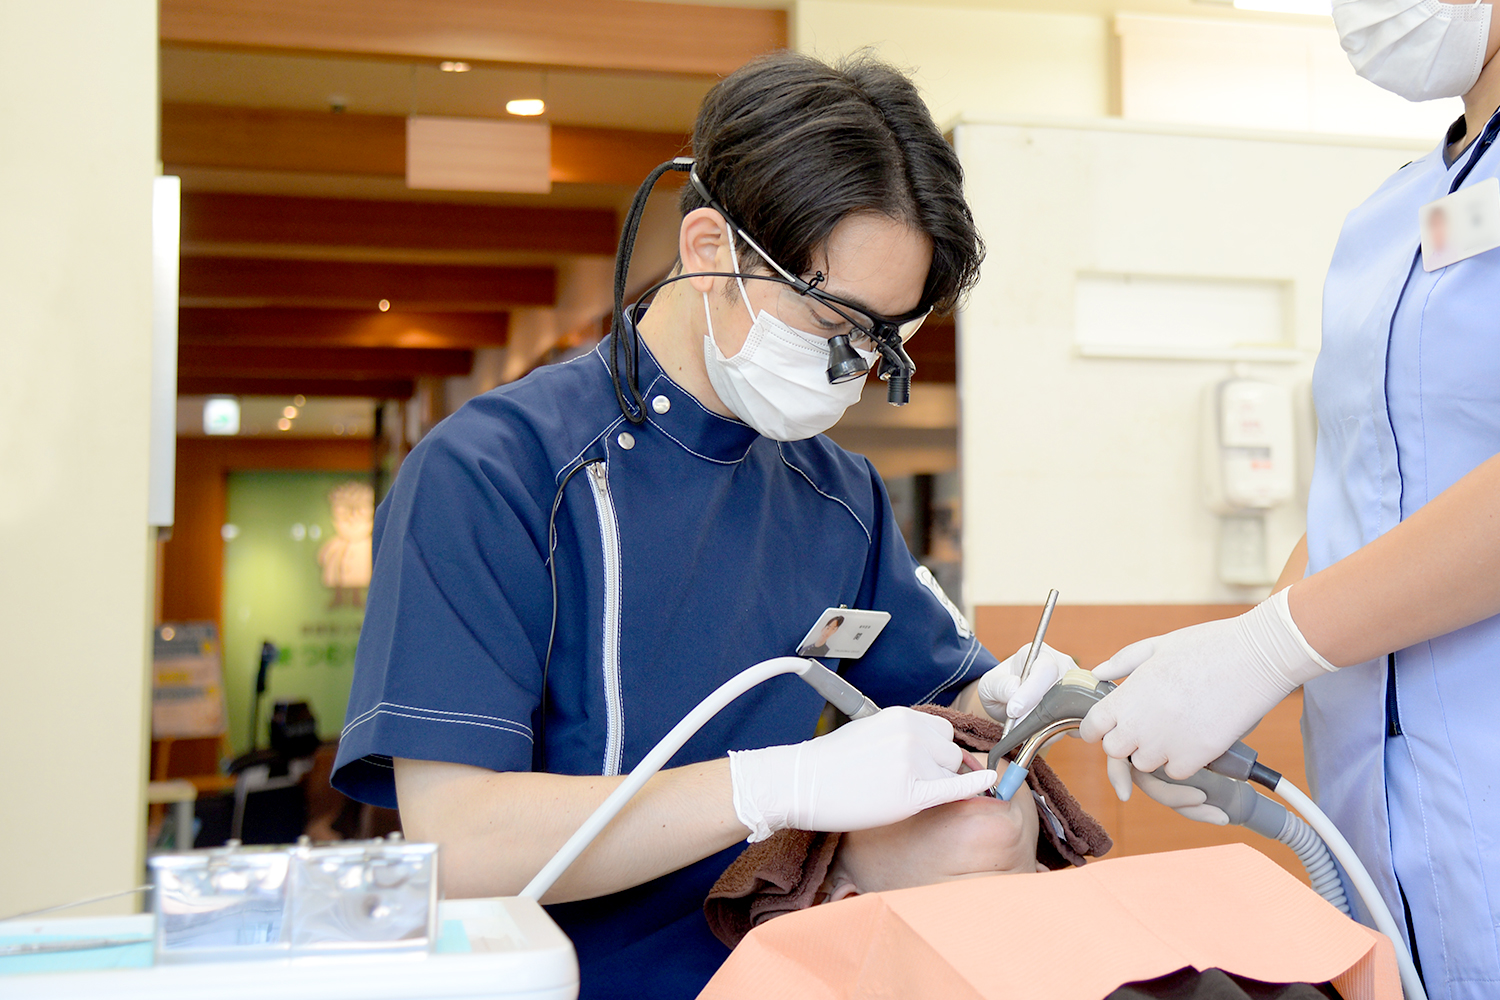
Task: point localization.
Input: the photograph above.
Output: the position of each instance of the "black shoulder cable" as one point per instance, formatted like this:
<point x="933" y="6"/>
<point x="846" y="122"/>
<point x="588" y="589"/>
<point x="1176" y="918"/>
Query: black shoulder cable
<point x="539" y="751"/>
<point x="635" y="408"/>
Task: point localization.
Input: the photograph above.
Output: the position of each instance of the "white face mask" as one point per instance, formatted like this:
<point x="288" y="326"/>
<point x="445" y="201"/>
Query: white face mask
<point x="778" y="382"/>
<point x="1420" y="49"/>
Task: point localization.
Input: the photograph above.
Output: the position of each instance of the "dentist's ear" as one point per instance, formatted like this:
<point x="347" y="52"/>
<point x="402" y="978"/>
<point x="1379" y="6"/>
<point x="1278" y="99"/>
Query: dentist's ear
<point x="701" y="243"/>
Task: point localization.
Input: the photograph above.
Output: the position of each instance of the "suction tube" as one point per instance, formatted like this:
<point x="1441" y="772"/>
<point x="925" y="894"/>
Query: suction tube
<point x="1411" y="983"/>
<point x="845" y="696"/>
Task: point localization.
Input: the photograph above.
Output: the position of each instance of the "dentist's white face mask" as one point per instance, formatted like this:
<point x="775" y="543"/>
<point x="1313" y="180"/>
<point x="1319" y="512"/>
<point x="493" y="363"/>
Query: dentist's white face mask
<point x="1420" y="49"/>
<point x="778" y="382"/>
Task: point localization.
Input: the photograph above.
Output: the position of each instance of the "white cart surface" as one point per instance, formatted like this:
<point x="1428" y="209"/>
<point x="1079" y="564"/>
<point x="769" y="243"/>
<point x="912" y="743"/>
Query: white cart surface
<point x="504" y="948"/>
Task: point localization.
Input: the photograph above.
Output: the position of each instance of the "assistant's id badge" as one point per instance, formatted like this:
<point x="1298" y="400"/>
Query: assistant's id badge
<point x="1465" y="223"/>
<point x="845" y="633"/>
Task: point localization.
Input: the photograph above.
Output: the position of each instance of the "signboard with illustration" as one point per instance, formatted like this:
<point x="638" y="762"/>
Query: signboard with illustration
<point x="297" y="561"/>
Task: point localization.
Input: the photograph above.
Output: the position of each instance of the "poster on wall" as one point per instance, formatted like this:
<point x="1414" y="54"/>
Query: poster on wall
<point x="187" y="689"/>
<point x="297" y="560"/>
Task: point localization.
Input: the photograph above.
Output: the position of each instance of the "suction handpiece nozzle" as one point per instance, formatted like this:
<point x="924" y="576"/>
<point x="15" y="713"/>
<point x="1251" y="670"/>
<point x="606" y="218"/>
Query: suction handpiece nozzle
<point x="1062" y="708"/>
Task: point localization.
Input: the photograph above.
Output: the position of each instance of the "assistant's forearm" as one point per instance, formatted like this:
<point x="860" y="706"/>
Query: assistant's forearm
<point x="1437" y="571"/>
<point x="497" y="830"/>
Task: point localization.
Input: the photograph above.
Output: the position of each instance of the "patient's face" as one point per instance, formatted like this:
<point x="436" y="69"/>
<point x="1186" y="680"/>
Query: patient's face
<point x="978" y="836"/>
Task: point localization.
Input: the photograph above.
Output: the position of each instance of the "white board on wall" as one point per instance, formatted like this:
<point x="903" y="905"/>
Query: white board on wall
<point x="1082" y="472"/>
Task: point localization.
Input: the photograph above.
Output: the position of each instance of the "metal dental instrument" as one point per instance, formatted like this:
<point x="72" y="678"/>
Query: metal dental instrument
<point x="1036" y="646"/>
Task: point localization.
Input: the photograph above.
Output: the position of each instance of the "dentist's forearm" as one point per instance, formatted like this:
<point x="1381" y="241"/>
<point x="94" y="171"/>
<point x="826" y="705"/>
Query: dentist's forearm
<point x="498" y="829"/>
<point x="1437" y="571"/>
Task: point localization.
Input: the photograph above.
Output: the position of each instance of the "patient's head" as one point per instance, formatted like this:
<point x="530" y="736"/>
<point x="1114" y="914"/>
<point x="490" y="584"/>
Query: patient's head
<point x="978" y="836"/>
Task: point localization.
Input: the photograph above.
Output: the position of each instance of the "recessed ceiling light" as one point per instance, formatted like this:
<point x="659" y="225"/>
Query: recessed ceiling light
<point x="299" y="400"/>
<point x="453" y="66"/>
<point x="289" y="412"/>
<point x="384" y="305"/>
<point x="284" y="424"/>
<point x="526" y="107"/>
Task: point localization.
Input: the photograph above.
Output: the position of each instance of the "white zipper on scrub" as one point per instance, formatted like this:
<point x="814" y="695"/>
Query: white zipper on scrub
<point x="609" y="541"/>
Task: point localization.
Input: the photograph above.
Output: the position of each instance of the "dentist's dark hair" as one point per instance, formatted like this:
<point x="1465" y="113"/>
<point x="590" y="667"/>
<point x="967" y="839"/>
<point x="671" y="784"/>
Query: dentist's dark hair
<point x="791" y="146"/>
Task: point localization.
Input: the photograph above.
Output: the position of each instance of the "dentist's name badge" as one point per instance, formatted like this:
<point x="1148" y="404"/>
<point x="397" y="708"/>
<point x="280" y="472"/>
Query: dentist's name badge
<point x="845" y="633"/>
<point x="1465" y="223"/>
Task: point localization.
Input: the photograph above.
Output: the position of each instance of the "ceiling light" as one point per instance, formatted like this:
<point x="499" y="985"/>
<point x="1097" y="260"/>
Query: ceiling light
<point x="289" y="412"/>
<point x="1315" y="8"/>
<point x="284" y="424"/>
<point x="453" y="66"/>
<point x="299" y="400"/>
<point x="383" y="305"/>
<point x="526" y="107"/>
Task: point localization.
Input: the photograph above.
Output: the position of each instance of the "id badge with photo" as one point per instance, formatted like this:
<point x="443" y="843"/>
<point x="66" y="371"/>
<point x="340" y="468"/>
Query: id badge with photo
<point x="1461" y="225"/>
<point x="842" y="633"/>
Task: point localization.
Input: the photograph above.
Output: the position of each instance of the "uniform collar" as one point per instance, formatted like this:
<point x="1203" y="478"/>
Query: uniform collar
<point x="676" y="413"/>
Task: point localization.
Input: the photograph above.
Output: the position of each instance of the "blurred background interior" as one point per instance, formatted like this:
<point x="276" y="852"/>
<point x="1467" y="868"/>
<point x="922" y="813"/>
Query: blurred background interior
<point x="385" y="207"/>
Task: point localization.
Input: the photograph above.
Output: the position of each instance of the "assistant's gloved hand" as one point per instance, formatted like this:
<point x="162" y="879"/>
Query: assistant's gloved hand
<point x="1190" y="802"/>
<point x="1195" y="691"/>
<point x="869" y="772"/>
<point x="1004" y="696"/>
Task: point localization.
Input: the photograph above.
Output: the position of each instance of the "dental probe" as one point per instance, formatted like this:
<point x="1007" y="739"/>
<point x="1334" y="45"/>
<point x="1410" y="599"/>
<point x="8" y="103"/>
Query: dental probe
<point x="1036" y="647"/>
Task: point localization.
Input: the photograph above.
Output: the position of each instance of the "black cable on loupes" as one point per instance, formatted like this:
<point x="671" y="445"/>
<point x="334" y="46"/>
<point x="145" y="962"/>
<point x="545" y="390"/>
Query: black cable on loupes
<point x="634" y="407"/>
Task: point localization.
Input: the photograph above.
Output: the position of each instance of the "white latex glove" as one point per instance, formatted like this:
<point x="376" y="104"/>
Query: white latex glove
<point x="1189" y="802"/>
<point x="867" y="773"/>
<point x="1195" y="691"/>
<point x="1004" y="696"/>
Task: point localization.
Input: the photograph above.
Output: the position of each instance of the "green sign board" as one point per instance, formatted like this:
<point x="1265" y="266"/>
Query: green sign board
<point x="296" y="567"/>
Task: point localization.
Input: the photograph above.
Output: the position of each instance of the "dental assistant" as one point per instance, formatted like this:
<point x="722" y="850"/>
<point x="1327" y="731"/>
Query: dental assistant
<point x="1391" y="624"/>
<point x="570" y="563"/>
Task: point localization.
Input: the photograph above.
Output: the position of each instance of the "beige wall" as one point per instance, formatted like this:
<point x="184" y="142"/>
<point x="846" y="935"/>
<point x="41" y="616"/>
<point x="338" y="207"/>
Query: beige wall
<point x="1087" y="468"/>
<point x="76" y="163"/>
<point x="969" y="62"/>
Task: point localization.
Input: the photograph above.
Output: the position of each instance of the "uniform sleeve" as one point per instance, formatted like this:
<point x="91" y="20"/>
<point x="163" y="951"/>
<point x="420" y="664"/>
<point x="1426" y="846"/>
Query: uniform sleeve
<point x="448" y="666"/>
<point x="928" y="650"/>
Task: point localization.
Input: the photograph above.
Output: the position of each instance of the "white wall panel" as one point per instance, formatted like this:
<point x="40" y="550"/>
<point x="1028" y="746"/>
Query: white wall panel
<point x="1083" y="473"/>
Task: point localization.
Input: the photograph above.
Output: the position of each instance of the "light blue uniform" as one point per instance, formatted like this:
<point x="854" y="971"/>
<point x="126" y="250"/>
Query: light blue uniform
<point x="1403" y="753"/>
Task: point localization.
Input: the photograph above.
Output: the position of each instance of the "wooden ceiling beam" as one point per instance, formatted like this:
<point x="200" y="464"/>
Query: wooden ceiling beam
<point x="580" y="34"/>
<point x="340" y="328"/>
<point x="241" y="281"/>
<point x="204" y="360"/>
<point x="241" y="385"/>
<point x="211" y="219"/>
<point x="211" y="135"/>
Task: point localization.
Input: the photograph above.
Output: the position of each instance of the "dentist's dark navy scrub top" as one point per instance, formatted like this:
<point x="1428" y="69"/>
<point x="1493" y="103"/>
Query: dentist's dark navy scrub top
<point x="693" y="548"/>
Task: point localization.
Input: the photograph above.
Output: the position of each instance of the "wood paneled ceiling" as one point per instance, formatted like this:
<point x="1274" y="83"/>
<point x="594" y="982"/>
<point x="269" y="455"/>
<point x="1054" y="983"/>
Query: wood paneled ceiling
<point x="286" y="121"/>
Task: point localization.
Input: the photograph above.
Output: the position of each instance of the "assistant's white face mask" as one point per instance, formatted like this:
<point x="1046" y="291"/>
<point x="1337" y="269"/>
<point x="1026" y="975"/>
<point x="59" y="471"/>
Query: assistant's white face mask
<point x="778" y="382"/>
<point x="1420" y="49"/>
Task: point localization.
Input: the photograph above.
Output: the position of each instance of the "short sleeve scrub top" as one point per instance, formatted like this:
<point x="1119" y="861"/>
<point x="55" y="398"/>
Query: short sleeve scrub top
<point x="1402" y="751"/>
<point x="688" y="548"/>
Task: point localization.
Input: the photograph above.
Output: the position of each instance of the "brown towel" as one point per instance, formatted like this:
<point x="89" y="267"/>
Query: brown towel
<point x="785" y="871"/>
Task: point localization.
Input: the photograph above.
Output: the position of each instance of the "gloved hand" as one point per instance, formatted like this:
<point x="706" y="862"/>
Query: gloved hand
<point x="1195" y="691"/>
<point x="869" y="772"/>
<point x="1004" y="696"/>
<point x="1189" y="802"/>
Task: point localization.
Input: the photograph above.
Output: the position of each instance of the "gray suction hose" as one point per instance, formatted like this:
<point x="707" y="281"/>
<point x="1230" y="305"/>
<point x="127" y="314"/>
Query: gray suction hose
<point x="1248" y="808"/>
<point x="1313" y="853"/>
